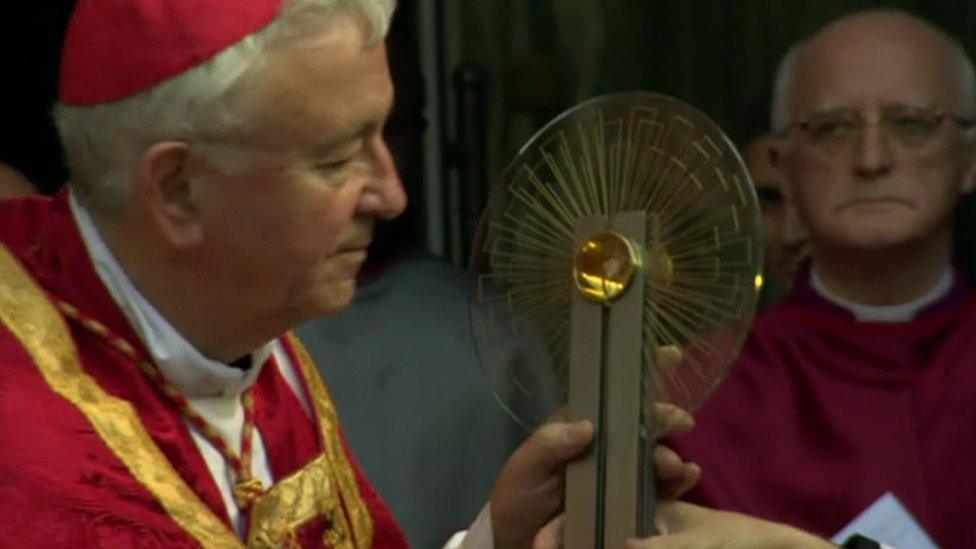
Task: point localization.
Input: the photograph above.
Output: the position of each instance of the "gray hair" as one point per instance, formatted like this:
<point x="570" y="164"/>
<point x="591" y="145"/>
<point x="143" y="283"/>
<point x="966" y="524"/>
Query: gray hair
<point x="782" y="88"/>
<point x="102" y="143"/>
<point x="780" y="113"/>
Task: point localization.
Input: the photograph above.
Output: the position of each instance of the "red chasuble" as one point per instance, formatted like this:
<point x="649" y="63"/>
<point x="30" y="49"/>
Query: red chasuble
<point x="93" y="455"/>
<point x="823" y="414"/>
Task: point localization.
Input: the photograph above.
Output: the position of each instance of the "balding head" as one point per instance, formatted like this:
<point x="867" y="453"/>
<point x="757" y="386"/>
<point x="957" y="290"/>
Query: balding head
<point x="860" y="47"/>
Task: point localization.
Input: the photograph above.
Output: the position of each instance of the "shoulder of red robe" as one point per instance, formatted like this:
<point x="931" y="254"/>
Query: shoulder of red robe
<point x="114" y="49"/>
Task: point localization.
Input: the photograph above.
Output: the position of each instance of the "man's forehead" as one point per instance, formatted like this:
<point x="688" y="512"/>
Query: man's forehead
<point x="877" y="58"/>
<point x="324" y="94"/>
<point x="875" y="63"/>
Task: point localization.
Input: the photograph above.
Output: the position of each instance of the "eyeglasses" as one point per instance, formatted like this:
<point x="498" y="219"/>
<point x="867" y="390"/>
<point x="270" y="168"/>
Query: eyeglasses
<point x="836" y="132"/>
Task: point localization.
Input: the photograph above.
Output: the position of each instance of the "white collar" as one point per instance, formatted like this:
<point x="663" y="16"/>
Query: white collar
<point x="178" y="360"/>
<point x="902" y="312"/>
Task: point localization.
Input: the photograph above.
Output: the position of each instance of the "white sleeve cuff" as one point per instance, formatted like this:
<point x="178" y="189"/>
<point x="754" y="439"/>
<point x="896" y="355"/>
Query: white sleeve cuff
<point x="478" y="535"/>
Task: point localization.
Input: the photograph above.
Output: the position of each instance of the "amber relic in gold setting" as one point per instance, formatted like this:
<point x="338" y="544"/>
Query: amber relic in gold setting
<point x="604" y="266"/>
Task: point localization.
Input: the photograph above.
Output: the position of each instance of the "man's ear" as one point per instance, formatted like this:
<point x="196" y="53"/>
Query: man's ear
<point x="164" y="184"/>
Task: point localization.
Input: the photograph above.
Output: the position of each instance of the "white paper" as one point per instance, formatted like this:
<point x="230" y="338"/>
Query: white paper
<point x="887" y="521"/>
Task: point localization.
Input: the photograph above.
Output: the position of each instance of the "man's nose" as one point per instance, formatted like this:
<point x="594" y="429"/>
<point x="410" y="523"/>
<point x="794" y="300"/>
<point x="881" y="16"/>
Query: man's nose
<point x="385" y="196"/>
<point x="873" y="156"/>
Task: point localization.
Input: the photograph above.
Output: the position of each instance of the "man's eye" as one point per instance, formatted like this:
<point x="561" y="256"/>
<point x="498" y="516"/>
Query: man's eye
<point x="831" y="128"/>
<point x="333" y="165"/>
<point x="912" y="124"/>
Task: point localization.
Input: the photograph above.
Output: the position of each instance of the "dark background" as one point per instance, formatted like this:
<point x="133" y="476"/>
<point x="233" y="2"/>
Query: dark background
<point x="30" y="46"/>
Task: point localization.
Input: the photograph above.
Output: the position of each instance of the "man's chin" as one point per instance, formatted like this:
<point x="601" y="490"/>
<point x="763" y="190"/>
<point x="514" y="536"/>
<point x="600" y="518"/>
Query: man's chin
<point x="336" y="298"/>
<point x="876" y="240"/>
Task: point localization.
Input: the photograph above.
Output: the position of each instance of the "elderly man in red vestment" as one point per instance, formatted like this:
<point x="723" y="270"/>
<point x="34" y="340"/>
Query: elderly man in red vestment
<point x="228" y="167"/>
<point x="862" y="381"/>
<point x="147" y="396"/>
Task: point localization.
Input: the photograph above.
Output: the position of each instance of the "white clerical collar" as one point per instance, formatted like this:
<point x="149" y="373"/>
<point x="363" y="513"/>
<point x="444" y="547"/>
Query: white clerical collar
<point x="902" y="312"/>
<point x="178" y="361"/>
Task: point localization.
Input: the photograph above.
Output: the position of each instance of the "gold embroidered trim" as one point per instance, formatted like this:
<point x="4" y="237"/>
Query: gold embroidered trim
<point x="28" y="314"/>
<point x="345" y="477"/>
<point x="292" y="502"/>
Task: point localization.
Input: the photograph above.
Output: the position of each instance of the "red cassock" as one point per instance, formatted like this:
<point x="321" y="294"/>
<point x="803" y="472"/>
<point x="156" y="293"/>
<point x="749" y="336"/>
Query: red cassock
<point x="92" y="454"/>
<point x="822" y="415"/>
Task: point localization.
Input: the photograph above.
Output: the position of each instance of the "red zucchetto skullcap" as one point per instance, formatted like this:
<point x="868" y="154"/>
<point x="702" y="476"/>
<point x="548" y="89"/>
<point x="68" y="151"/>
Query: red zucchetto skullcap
<point x="115" y="49"/>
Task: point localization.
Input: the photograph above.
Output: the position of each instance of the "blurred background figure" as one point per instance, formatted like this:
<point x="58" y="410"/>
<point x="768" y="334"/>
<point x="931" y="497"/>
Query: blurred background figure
<point x="785" y="237"/>
<point x="13" y="183"/>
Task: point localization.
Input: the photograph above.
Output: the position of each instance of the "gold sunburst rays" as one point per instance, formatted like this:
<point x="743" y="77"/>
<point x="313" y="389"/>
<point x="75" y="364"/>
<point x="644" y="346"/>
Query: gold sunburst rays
<point x="612" y="155"/>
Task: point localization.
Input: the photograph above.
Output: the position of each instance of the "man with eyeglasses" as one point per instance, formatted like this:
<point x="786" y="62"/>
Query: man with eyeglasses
<point x="862" y="381"/>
